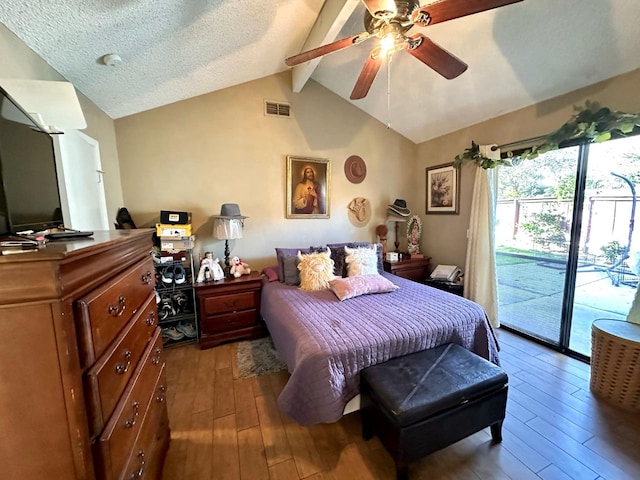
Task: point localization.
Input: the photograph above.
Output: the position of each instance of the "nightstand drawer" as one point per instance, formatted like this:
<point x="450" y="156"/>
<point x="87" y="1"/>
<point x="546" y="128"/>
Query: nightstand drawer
<point x="229" y="309"/>
<point x="229" y="321"/>
<point x="229" y="303"/>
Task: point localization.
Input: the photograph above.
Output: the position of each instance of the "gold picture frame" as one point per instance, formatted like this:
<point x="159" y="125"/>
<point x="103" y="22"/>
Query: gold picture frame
<point x="443" y="189"/>
<point x="308" y="187"/>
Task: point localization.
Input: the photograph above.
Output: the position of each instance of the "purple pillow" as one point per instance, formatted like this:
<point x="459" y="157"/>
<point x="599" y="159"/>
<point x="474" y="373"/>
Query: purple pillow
<point x="271" y="273"/>
<point x="338" y="255"/>
<point x="286" y="252"/>
<point x="350" y="287"/>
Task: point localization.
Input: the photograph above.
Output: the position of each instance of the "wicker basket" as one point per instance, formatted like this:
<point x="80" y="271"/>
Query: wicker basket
<point x="615" y="358"/>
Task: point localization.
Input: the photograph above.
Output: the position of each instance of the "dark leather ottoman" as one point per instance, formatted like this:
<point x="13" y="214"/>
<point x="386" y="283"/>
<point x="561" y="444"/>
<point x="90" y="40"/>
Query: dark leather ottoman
<point x="422" y="402"/>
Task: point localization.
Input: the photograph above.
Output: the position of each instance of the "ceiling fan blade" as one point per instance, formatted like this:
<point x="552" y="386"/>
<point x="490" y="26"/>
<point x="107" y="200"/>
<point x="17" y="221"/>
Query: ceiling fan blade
<point x="434" y="56"/>
<point x="325" y="49"/>
<point x="380" y="8"/>
<point x="445" y="10"/>
<point x="367" y="75"/>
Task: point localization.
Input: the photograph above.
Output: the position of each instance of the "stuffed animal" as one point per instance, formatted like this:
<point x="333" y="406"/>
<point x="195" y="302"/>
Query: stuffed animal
<point x="361" y="261"/>
<point x="239" y="268"/>
<point x="316" y="270"/>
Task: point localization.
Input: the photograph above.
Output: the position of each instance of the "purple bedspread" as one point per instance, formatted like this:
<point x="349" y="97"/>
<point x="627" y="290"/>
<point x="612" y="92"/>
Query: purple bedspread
<point x="325" y="343"/>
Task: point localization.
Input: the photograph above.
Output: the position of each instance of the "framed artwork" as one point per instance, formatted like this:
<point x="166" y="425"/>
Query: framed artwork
<point x="308" y="187"/>
<point x="443" y="189"/>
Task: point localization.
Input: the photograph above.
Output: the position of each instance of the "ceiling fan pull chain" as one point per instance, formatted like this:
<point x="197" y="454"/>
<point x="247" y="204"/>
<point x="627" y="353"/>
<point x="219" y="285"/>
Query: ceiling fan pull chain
<point x="389" y="57"/>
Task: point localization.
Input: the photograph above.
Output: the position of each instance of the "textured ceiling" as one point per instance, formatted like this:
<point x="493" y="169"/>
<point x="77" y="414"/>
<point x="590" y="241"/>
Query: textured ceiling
<point x="518" y="55"/>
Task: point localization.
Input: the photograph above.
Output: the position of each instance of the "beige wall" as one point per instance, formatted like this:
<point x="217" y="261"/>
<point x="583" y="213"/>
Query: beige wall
<point x="444" y="236"/>
<point x="219" y="148"/>
<point x="18" y="61"/>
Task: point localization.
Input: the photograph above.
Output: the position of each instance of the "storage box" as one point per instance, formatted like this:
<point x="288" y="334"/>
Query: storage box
<point x="171" y="244"/>
<point x="178" y="218"/>
<point x="392" y="257"/>
<point x="172" y="256"/>
<point x="173" y="231"/>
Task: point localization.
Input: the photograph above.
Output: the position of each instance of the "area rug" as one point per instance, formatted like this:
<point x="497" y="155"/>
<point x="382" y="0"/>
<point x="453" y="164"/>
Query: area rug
<point x="257" y="357"/>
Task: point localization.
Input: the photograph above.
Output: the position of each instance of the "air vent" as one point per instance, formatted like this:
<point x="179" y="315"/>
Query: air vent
<point x="277" y="109"/>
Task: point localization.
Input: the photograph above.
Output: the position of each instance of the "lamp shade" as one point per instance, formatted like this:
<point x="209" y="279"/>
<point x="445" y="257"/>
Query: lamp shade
<point x="227" y="228"/>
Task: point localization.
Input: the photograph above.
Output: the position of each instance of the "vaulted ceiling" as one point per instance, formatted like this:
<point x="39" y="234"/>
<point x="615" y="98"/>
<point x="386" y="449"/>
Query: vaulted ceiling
<point x="171" y="50"/>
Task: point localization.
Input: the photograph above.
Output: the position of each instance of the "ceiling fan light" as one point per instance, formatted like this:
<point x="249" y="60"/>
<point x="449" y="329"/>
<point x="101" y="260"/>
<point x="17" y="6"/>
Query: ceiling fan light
<point x="387" y="43"/>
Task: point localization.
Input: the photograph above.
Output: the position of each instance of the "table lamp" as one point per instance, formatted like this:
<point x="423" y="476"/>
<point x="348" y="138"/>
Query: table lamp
<point x="228" y="226"/>
<point x="397" y="213"/>
<point x="396" y="222"/>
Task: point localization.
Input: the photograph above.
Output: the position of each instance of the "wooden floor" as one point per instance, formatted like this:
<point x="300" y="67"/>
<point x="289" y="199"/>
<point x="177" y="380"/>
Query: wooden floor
<point x="223" y="427"/>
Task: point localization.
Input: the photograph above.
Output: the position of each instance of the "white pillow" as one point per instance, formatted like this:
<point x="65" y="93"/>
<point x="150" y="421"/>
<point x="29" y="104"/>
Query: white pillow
<point x="361" y="261"/>
<point x="316" y="270"/>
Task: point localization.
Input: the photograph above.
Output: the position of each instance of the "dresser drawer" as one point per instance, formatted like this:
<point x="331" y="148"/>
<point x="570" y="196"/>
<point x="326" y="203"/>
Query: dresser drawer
<point x="107" y="378"/>
<point x="228" y="321"/>
<point x="113" y="448"/>
<point x="146" y="459"/>
<point x="102" y="313"/>
<point x="229" y="303"/>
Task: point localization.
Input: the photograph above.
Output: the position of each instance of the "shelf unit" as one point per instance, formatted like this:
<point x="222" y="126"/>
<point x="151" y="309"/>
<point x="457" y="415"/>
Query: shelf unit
<point x="177" y="313"/>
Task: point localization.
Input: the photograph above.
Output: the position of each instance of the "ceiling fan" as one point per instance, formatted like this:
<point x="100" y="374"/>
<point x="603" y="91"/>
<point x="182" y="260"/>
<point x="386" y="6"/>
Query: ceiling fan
<point x="389" y="21"/>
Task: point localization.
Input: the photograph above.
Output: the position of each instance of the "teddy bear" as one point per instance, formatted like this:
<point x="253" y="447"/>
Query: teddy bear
<point x="239" y="268"/>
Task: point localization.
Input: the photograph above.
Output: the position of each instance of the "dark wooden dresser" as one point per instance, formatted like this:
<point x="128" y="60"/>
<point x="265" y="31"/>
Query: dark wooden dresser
<point x="82" y="390"/>
<point x="416" y="269"/>
<point x="229" y="309"/>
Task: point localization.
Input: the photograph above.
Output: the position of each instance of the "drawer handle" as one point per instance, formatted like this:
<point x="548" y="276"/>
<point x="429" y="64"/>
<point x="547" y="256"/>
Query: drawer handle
<point x="151" y="319"/>
<point x="146" y="278"/>
<point x="161" y="394"/>
<point x="156" y="358"/>
<point x="130" y="422"/>
<point x="138" y="473"/>
<point x="118" y="310"/>
<point x="122" y="368"/>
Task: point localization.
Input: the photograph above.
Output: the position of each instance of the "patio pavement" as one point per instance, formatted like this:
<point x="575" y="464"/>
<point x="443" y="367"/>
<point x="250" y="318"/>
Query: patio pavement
<point x="530" y="298"/>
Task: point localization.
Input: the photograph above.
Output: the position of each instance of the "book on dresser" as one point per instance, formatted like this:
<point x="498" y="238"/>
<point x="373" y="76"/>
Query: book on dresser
<point x="81" y="361"/>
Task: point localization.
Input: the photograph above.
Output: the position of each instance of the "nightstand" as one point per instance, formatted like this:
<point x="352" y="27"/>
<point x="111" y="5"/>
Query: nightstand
<point x="455" y="288"/>
<point x="229" y="309"/>
<point x="415" y="269"/>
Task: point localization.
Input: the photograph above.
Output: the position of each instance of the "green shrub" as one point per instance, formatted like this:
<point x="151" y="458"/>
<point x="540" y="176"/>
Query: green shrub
<point x="612" y="251"/>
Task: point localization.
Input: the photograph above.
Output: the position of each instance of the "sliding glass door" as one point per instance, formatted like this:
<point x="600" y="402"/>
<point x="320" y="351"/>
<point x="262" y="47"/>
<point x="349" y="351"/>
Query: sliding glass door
<point x="605" y="284"/>
<point x="534" y="211"/>
<point x="563" y="241"/>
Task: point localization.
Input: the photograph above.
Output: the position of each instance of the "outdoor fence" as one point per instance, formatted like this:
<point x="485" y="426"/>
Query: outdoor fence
<point x="605" y="219"/>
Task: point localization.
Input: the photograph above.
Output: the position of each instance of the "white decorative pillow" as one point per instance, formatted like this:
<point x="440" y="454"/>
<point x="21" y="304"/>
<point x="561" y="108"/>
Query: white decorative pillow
<point x="350" y="287"/>
<point x="361" y="261"/>
<point x="316" y="270"/>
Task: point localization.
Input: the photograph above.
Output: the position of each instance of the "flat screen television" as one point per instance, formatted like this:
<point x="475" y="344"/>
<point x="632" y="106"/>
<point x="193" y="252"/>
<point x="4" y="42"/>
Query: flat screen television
<point x="29" y="196"/>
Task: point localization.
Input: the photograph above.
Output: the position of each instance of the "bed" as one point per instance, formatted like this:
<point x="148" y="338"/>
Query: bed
<point x="326" y="342"/>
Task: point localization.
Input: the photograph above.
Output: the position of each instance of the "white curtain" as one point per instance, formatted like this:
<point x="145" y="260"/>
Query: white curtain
<point x="480" y="267"/>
